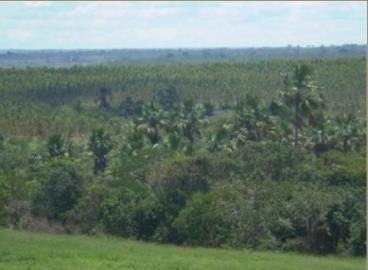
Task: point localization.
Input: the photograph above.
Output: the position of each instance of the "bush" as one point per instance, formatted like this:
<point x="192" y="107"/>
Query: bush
<point x="205" y="220"/>
<point x="358" y="230"/>
<point x="87" y="213"/>
<point x="344" y="169"/>
<point x="224" y="217"/>
<point x="60" y="187"/>
<point x="272" y="161"/>
<point x="129" y="214"/>
<point x="118" y="212"/>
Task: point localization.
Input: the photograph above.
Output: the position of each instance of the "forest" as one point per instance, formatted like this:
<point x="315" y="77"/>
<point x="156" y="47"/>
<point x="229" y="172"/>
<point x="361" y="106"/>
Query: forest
<point x="267" y="154"/>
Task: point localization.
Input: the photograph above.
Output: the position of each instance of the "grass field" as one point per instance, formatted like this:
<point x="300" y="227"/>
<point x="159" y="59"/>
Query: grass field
<point x="24" y="250"/>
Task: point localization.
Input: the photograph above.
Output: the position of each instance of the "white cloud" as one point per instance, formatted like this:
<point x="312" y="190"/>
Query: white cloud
<point x="188" y="24"/>
<point x="114" y="10"/>
<point x="36" y="4"/>
<point x="19" y="34"/>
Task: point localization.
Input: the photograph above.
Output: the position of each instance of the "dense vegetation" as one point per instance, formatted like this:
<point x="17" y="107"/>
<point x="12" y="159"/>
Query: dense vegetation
<point x="21" y="250"/>
<point x="62" y="58"/>
<point x="39" y="102"/>
<point x="266" y="155"/>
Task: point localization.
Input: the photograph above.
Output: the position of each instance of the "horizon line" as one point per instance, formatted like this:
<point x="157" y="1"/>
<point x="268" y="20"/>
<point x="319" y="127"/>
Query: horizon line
<point x="185" y="48"/>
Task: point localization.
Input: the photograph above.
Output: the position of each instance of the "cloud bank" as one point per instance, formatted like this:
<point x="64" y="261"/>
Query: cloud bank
<point x="47" y="24"/>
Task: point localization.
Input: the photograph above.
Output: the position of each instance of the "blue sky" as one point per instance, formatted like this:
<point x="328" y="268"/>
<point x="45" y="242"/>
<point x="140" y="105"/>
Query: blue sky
<point x="68" y="25"/>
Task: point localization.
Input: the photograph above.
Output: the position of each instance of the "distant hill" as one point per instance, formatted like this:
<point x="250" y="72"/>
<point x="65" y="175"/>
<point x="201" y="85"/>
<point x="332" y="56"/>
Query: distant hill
<point x="64" y="58"/>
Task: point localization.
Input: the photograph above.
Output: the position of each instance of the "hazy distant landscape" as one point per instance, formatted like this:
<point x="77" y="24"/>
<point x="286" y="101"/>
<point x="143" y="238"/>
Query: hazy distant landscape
<point x="62" y="58"/>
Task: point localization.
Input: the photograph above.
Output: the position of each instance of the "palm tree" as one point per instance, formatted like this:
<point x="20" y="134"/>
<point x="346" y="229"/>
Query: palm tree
<point x="152" y="120"/>
<point x="103" y="97"/>
<point x="186" y="122"/>
<point x="100" y="144"/>
<point x="350" y="133"/>
<point x="135" y="141"/>
<point x="323" y="135"/>
<point x="251" y="120"/>
<point x="302" y="98"/>
<point x="56" y="146"/>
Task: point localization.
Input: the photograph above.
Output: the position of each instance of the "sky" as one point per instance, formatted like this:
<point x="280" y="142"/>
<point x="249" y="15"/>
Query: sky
<point x="93" y="25"/>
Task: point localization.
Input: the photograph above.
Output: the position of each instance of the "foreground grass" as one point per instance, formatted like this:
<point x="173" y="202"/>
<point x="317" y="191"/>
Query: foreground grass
<point x="24" y="250"/>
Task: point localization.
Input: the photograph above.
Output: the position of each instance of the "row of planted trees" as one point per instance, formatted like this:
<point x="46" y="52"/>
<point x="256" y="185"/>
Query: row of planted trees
<point x="297" y="118"/>
<point x="37" y="102"/>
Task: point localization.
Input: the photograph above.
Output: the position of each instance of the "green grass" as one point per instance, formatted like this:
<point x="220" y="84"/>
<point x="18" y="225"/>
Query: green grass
<point x="24" y="250"/>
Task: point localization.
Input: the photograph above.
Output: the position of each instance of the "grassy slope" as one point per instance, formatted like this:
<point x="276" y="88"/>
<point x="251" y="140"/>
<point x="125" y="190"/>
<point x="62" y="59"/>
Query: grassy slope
<point x="24" y="250"/>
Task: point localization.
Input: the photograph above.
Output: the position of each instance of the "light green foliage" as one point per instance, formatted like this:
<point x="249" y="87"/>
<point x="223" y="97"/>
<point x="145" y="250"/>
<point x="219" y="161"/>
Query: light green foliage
<point x="21" y="250"/>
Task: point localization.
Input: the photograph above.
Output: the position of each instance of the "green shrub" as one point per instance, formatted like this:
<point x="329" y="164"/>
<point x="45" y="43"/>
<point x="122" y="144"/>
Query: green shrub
<point x="205" y="220"/>
<point x="60" y="187"/>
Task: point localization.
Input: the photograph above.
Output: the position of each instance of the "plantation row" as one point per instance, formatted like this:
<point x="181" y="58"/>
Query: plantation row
<point x="36" y="102"/>
<point x="276" y="173"/>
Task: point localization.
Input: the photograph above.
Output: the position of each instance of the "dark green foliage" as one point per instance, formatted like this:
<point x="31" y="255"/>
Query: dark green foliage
<point x="350" y="133"/>
<point x="117" y="213"/>
<point x="58" y="190"/>
<point x="208" y="108"/>
<point x="55" y="145"/>
<point x="250" y="120"/>
<point x="103" y="97"/>
<point x="100" y="144"/>
<point x="345" y="169"/>
<point x="87" y="213"/>
<point x="129" y="107"/>
<point x="185" y="175"/>
<point x="181" y="178"/>
<point x="1" y="141"/>
<point x="206" y="219"/>
<point x="169" y="99"/>
<point x="276" y="163"/>
<point x="358" y="230"/>
<point x="129" y="214"/>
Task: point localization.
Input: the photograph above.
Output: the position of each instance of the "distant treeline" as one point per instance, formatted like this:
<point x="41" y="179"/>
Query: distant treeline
<point x="62" y="58"/>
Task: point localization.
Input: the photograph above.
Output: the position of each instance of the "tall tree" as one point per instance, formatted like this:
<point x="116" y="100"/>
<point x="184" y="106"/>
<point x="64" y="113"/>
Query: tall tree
<point x="103" y="97"/>
<point x="302" y="98"/>
<point x="323" y="135"/>
<point x="187" y="122"/>
<point x="1" y="141"/>
<point x="100" y="144"/>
